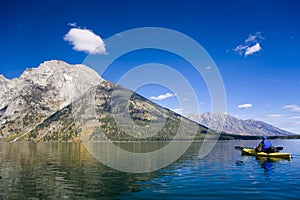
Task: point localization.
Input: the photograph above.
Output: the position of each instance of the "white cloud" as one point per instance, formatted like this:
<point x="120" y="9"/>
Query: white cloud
<point x="274" y="115"/>
<point x="119" y="35"/>
<point x="251" y="45"/>
<point x="85" y="40"/>
<point x="73" y="24"/>
<point x="162" y="96"/>
<point x="295" y="117"/>
<point x="254" y="38"/>
<point x="289" y="106"/>
<point x="251" y="38"/>
<point x="208" y="67"/>
<point x="240" y="49"/>
<point x="178" y="110"/>
<point x="293" y="108"/>
<point x="253" y="49"/>
<point x="245" y="106"/>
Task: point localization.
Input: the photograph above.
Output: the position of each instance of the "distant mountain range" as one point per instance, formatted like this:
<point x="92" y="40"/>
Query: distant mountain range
<point x="232" y="125"/>
<point x="38" y="106"/>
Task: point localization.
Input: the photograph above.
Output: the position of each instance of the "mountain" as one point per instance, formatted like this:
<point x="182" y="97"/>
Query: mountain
<point x="230" y="124"/>
<point x="61" y="102"/>
<point x="39" y="92"/>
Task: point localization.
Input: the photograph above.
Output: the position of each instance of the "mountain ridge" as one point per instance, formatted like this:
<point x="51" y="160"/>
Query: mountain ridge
<point x="233" y="125"/>
<point x="39" y="106"/>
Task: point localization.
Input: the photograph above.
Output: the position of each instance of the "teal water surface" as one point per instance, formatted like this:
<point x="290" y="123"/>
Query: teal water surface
<point x="68" y="171"/>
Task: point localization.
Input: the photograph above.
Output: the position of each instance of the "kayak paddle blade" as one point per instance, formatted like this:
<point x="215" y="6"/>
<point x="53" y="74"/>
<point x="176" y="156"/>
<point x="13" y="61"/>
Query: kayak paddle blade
<point x="238" y="148"/>
<point x="279" y="148"/>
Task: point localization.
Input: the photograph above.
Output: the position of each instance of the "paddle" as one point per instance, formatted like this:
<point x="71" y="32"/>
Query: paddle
<point x="240" y="148"/>
<point x="279" y="148"/>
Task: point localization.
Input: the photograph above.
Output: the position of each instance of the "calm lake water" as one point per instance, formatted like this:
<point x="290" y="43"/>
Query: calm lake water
<point x="68" y="171"/>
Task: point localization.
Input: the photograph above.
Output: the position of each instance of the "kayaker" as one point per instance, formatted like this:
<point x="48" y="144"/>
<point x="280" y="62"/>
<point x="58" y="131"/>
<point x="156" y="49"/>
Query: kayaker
<point x="265" y="146"/>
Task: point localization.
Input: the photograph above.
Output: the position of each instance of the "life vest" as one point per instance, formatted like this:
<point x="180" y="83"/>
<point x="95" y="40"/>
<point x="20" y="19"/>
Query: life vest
<point x="267" y="145"/>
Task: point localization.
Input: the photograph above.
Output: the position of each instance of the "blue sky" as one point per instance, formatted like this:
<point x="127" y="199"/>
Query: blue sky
<point x="254" y="44"/>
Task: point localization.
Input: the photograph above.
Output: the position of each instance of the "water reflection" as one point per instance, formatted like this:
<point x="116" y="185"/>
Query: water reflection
<point x="64" y="170"/>
<point x="57" y="170"/>
<point x="137" y="158"/>
<point x="68" y="170"/>
<point x="267" y="165"/>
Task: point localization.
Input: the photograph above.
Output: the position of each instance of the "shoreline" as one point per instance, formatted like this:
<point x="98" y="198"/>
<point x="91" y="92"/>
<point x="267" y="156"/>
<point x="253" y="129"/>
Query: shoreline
<point x="222" y="137"/>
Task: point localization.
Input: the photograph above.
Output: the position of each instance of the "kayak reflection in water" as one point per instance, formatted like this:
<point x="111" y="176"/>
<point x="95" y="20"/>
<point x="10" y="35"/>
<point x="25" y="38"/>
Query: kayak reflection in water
<point x="265" y="146"/>
<point x="267" y="165"/>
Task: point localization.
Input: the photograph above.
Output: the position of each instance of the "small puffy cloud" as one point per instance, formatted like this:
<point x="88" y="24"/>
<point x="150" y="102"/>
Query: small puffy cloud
<point x="251" y="45"/>
<point x="245" y="106"/>
<point x="289" y="106"/>
<point x="178" y="110"/>
<point x="119" y="35"/>
<point x="274" y="115"/>
<point x="240" y="49"/>
<point x="73" y="24"/>
<point x="295" y="117"/>
<point x="253" y="49"/>
<point x="85" y="40"/>
<point x="162" y="96"/>
<point x="254" y="38"/>
<point x="293" y="108"/>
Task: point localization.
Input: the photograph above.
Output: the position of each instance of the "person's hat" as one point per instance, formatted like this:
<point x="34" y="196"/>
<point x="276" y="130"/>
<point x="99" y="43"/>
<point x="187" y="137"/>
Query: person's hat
<point x="264" y="137"/>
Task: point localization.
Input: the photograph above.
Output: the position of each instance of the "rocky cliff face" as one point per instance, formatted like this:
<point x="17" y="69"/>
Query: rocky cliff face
<point x="38" y="106"/>
<point x="39" y="92"/>
<point x="230" y="124"/>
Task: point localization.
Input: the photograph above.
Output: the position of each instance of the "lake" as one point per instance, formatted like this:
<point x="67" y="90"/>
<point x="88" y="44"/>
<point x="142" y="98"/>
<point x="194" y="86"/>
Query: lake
<point x="69" y="171"/>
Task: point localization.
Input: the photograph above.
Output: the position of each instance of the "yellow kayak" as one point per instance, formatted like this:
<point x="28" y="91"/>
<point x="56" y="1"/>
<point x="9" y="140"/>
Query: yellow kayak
<point x="252" y="152"/>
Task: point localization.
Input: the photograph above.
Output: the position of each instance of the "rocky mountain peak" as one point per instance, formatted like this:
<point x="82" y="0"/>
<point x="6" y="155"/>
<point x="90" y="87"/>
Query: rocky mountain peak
<point x="3" y="79"/>
<point x="41" y="91"/>
<point x="56" y="70"/>
<point x="3" y="82"/>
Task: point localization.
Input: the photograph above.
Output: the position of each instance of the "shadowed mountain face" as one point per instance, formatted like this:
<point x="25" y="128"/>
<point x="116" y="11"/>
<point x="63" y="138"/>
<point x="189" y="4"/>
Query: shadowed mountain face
<point x="236" y="126"/>
<point x="62" y="102"/>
